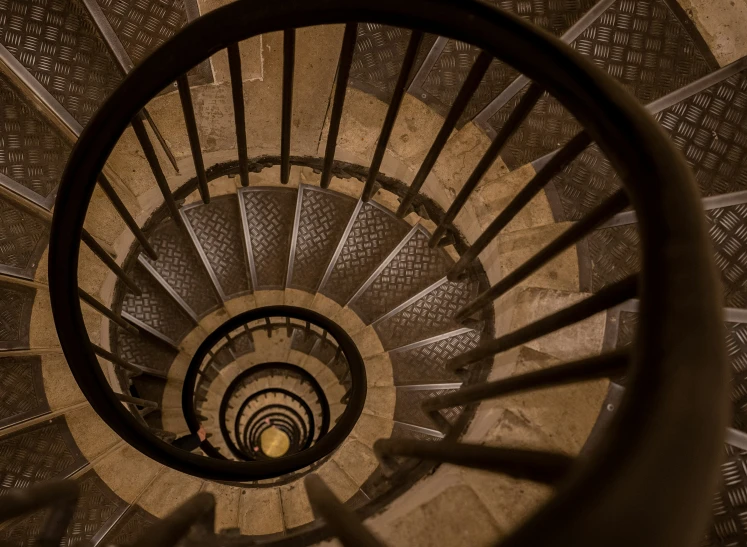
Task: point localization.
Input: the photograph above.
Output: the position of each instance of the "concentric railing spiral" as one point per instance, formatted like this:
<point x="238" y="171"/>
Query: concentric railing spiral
<point x="624" y="492"/>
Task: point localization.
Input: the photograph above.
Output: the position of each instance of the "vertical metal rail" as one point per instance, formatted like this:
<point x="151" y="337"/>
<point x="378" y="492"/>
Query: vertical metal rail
<point x="516" y="118"/>
<point x="194" y="137"/>
<point x="471" y="83"/>
<point x="124" y="63"/>
<point x="239" y="115"/>
<point x="556" y="164"/>
<point x="289" y="63"/>
<point x="103" y="310"/>
<point x="614" y="204"/>
<point x="391" y="115"/>
<point x="155" y="166"/>
<point x="126" y="216"/>
<point x="341" y="86"/>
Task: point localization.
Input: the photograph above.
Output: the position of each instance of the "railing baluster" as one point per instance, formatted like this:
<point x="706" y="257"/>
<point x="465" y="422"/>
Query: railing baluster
<point x="239" y="115"/>
<point x="543" y="467"/>
<point x="591" y="368"/>
<point x="565" y="156"/>
<point x="391" y="115"/>
<point x="155" y="167"/>
<point x="115" y="359"/>
<point x="341" y="86"/>
<point x="103" y="310"/>
<point x="471" y="83"/>
<point x="344" y="524"/>
<point x="289" y="62"/>
<point x="519" y="114"/>
<point x="161" y="140"/>
<point x="612" y="205"/>
<point x="194" y="137"/>
<point x="126" y="216"/>
<point x="137" y="401"/>
<point x="608" y="297"/>
<point x="107" y="259"/>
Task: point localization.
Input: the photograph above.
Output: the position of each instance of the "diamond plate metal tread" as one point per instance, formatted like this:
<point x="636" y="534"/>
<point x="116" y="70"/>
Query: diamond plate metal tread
<point x="640" y="43"/>
<point x="155" y="307"/>
<point x="736" y="349"/>
<point x="31" y="152"/>
<point x="242" y="343"/>
<point x="22" y="389"/>
<point x="180" y="266"/>
<point x="374" y="234"/>
<point x="303" y="343"/>
<point x="710" y="128"/>
<point x="613" y="255"/>
<point x="268" y="214"/>
<point x="321" y="223"/>
<point x="38" y="453"/>
<point x="427" y="317"/>
<point x="143" y="350"/>
<point x="408" y="410"/>
<point x="131" y="527"/>
<point x="425" y="364"/>
<point x="144" y="25"/>
<point x="97" y="510"/>
<point x="728" y="526"/>
<point x="23" y="238"/>
<point x="59" y="45"/>
<point x="727" y="228"/>
<point x="222" y="358"/>
<point x="217" y="227"/>
<point x="414" y="268"/>
<point x="445" y="78"/>
<point x="377" y="60"/>
<point x="16" y="302"/>
<point x="628" y="323"/>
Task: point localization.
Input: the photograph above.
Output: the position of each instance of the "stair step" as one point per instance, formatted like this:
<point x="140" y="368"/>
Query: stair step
<point x="266" y="214"/>
<point x="371" y="236"/>
<point x="181" y="268"/>
<point x="414" y="267"/>
<point x="322" y="217"/>
<point x="217" y="228"/>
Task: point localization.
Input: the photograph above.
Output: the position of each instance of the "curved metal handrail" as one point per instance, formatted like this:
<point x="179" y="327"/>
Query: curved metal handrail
<point x="677" y="390"/>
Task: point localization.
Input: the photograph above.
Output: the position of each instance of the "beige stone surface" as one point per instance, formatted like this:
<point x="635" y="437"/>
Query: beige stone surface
<point x="495" y="194"/>
<point x="368" y="342"/>
<point x="337" y="480"/>
<point x="92" y="436"/>
<point x="296" y="507"/>
<point x="42" y="332"/>
<point x="370" y="428"/>
<point x="102" y="220"/>
<point x="380" y="402"/>
<point x="455" y="517"/>
<point x="269" y="298"/>
<point x="127" y="472"/>
<point x="379" y="371"/>
<point x="513" y="249"/>
<point x="301" y="299"/>
<point x="260" y="511"/>
<point x="723" y="25"/>
<point x="170" y="489"/>
<point x="192" y="341"/>
<point x="573" y="342"/>
<point x="226" y="504"/>
<point x="60" y="387"/>
<point x="564" y="414"/>
<point x="357" y="460"/>
<point x="240" y="304"/>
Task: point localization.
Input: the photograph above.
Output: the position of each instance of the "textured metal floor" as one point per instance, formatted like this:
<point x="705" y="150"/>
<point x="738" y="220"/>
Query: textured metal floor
<point x="648" y="45"/>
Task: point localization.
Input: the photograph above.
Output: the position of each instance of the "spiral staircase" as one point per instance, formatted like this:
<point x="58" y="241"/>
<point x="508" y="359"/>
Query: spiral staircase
<point x="391" y="274"/>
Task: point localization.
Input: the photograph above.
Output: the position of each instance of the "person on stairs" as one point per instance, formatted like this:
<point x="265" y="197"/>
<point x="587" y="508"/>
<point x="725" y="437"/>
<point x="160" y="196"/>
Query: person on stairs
<point x="192" y="441"/>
